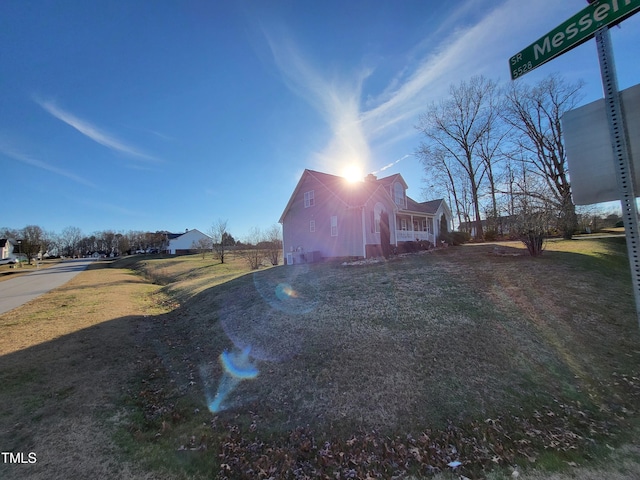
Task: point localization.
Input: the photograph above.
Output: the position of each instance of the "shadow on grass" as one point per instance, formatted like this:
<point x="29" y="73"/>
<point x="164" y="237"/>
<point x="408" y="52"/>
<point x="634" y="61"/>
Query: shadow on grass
<point x="456" y="355"/>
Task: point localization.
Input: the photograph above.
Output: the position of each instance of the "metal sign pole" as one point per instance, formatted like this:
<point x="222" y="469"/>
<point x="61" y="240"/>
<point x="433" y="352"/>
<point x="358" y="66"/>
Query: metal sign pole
<point x="623" y="164"/>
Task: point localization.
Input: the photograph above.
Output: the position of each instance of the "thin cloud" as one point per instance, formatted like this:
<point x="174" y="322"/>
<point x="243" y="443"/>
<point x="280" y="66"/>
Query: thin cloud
<point x="91" y="131"/>
<point x="454" y="54"/>
<point x="34" y="162"/>
<point x="336" y="100"/>
<point x="389" y="165"/>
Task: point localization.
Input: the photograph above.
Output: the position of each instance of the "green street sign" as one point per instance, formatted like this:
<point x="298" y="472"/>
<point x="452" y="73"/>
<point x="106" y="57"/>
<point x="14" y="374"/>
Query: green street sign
<point x="578" y="29"/>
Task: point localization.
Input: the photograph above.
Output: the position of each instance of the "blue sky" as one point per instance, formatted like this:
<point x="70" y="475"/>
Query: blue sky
<point x="167" y="115"/>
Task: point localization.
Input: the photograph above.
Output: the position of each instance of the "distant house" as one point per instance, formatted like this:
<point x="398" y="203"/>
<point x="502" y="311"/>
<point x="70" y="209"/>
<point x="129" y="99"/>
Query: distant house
<point x="503" y="225"/>
<point x="329" y="217"/>
<point x="8" y="248"/>
<point x="184" y="243"/>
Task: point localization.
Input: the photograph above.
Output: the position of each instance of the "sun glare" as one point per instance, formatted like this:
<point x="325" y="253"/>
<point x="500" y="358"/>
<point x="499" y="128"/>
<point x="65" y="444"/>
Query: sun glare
<point x="353" y="173"/>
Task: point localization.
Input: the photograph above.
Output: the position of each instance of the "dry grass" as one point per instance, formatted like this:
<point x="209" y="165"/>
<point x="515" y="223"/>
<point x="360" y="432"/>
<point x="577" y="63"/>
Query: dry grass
<point x="407" y="346"/>
<point x="66" y="360"/>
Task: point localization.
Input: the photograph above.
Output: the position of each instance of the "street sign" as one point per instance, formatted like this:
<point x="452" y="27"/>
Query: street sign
<point x="578" y="29"/>
<point x="587" y="142"/>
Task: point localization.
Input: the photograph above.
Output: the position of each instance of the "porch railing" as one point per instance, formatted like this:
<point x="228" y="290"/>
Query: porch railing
<point x="412" y="236"/>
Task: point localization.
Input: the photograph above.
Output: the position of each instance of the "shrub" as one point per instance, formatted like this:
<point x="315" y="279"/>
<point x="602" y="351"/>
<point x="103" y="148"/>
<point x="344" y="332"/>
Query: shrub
<point x="454" y="238"/>
<point x="490" y="235"/>
<point x="407" y="247"/>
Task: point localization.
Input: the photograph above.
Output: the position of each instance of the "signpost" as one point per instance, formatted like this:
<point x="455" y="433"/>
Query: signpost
<point x="578" y="29"/>
<point x="595" y="20"/>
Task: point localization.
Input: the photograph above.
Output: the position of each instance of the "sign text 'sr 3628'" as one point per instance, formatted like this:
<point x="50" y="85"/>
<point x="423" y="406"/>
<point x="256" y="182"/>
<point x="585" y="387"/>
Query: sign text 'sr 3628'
<point x="578" y="29"/>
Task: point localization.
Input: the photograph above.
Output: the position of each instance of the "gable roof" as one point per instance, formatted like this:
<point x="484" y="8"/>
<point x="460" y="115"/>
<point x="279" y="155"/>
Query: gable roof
<point x="430" y="207"/>
<point x="357" y="194"/>
<point x="386" y="181"/>
<point x="174" y="236"/>
<point x="352" y="194"/>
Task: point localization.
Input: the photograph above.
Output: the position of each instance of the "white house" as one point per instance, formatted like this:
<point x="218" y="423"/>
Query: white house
<point x="7" y="248"/>
<point x="181" y="244"/>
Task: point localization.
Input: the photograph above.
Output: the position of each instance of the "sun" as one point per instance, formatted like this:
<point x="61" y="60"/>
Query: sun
<point x="353" y="173"/>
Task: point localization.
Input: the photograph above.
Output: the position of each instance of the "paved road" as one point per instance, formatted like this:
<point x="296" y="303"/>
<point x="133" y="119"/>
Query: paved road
<point x="18" y="291"/>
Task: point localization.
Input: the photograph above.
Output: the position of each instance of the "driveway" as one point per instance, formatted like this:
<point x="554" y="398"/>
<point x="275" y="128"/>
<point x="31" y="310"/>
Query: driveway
<point x="18" y="291"/>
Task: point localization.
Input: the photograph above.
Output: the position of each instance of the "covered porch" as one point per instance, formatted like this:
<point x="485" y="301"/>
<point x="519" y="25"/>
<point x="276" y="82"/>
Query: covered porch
<point x="411" y="228"/>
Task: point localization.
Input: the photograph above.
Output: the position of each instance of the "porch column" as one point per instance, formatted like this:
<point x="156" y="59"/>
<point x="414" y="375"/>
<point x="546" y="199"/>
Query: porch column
<point x="364" y="236"/>
<point x="395" y="229"/>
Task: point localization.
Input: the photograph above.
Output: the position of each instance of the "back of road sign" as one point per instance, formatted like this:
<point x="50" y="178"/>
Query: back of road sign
<point x="589" y="153"/>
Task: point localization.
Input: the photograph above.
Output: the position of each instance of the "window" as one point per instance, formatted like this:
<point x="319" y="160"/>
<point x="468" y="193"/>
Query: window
<point x="312" y="226"/>
<point x="334" y="226"/>
<point x="309" y="200"/>
<point x="377" y="210"/>
<point x="403" y="224"/>
<point x="430" y="225"/>
<point x="398" y="194"/>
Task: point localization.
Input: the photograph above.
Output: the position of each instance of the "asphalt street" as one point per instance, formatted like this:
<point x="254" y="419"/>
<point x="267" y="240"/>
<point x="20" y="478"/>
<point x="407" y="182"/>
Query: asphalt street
<point x="20" y="290"/>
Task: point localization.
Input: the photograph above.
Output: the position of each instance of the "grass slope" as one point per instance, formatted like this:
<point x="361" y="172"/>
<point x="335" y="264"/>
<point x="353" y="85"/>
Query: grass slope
<point x="400" y="367"/>
<point x="476" y="354"/>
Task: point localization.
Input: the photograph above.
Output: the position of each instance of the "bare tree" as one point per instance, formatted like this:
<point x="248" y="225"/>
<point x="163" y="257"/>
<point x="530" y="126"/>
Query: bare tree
<point x="203" y="245"/>
<point x="31" y="243"/>
<point x="69" y="240"/>
<point x="490" y="151"/>
<point x="441" y="170"/>
<point x="458" y="125"/>
<point x="122" y="243"/>
<point x="273" y="239"/>
<point x="535" y="112"/>
<point x="217" y="232"/>
<point x="251" y="250"/>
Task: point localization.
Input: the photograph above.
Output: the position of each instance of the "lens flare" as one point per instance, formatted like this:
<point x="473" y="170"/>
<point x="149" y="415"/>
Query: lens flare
<point x="292" y="289"/>
<point x="284" y="291"/>
<point x="237" y="366"/>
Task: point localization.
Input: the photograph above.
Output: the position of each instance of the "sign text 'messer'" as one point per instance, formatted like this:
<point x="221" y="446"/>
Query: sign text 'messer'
<point x="571" y="33"/>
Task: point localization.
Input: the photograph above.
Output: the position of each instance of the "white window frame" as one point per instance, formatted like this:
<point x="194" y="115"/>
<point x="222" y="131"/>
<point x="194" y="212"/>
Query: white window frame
<point x="312" y="226"/>
<point x="404" y="225"/>
<point x="398" y="194"/>
<point x="334" y="225"/>
<point x="430" y="225"/>
<point x="377" y="211"/>
<point x="309" y="199"/>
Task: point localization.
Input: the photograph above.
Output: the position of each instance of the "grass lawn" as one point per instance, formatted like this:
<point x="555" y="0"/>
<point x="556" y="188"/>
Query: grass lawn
<point x="477" y="354"/>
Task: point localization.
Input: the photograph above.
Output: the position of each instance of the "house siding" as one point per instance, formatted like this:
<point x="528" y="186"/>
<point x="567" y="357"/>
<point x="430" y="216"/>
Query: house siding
<point x="185" y="243"/>
<point x="296" y="232"/>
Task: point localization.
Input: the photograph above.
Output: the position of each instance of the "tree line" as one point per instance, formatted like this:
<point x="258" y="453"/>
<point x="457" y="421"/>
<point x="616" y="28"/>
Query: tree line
<point x="497" y="153"/>
<point x="33" y="241"/>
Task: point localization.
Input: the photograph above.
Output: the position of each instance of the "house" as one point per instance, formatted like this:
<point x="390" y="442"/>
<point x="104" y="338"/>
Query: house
<point x="502" y="225"/>
<point x="184" y="243"/>
<point x="7" y="248"/>
<point x="330" y="217"/>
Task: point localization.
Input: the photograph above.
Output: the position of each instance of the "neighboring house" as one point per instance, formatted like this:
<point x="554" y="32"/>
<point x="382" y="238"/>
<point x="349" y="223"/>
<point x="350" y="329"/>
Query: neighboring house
<point x="501" y="225"/>
<point x="8" y="248"/>
<point x="183" y="243"/>
<point x="329" y="217"/>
